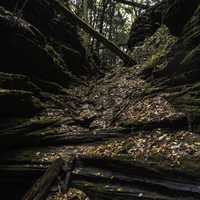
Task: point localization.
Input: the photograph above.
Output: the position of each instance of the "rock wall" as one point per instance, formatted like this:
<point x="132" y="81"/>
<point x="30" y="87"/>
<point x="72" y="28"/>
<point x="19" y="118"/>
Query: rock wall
<point x="179" y="75"/>
<point x="41" y="51"/>
<point x="146" y="24"/>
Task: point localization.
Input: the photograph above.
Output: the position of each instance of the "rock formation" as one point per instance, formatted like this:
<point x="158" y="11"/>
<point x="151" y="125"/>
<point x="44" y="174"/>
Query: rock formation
<point x="41" y="51"/>
<point x="180" y="75"/>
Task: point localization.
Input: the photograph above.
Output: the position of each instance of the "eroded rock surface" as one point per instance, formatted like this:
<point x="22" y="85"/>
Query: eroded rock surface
<point x="176" y="70"/>
<point x="148" y="112"/>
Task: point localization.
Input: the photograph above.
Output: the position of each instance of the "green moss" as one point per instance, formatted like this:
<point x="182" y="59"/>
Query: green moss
<point x="156" y="58"/>
<point x="4" y="12"/>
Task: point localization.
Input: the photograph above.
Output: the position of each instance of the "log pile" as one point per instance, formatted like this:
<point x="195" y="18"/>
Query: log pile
<point x="106" y="178"/>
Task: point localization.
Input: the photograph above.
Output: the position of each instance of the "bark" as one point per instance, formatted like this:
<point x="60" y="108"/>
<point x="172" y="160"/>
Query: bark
<point x="86" y="27"/>
<point x="112" y="13"/>
<point x="40" y="189"/>
<point x="134" y="4"/>
<point x="114" y="178"/>
<point x="105" y="178"/>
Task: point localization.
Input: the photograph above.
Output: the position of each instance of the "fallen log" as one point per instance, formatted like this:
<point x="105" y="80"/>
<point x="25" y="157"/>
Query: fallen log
<point x="105" y="178"/>
<point x="109" y="178"/>
<point x="171" y="123"/>
<point x="90" y="30"/>
<point x="50" y="138"/>
<point x="68" y="168"/>
<point x="40" y="189"/>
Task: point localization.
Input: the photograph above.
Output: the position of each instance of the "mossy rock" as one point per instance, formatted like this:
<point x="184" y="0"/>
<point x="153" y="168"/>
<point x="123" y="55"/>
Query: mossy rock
<point x="50" y="87"/>
<point x="176" y="71"/>
<point x="28" y="125"/>
<point x="173" y="123"/>
<point x="192" y="58"/>
<point x="18" y="103"/>
<point x="24" y="52"/>
<point x="191" y="31"/>
<point x="17" y="82"/>
<point x="177" y="13"/>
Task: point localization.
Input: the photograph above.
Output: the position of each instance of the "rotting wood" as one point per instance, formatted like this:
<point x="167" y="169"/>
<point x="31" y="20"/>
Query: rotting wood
<point x="89" y="29"/>
<point x="114" y="178"/>
<point x="107" y="178"/>
<point x="40" y="189"/>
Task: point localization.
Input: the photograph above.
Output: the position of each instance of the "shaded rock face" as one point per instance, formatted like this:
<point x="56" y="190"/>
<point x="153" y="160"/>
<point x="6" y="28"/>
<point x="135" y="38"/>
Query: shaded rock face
<point x="177" y="14"/>
<point x="179" y="76"/>
<point x="174" y="14"/>
<point x="146" y="24"/>
<point x="44" y="26"/>
<point x="21" y="54"/>
<point x="40" y="51"/>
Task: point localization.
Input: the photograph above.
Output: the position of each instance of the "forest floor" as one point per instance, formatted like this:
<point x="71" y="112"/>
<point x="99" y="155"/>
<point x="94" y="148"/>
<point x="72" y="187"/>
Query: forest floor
<point x="98" y="118"/>
<point x="110" y="103"/>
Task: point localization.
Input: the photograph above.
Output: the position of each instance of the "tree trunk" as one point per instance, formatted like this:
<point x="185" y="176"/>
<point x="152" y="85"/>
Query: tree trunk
<point x="102" y="16"/>
<point x="85" y="10"/>
<point x="110" y="45"/>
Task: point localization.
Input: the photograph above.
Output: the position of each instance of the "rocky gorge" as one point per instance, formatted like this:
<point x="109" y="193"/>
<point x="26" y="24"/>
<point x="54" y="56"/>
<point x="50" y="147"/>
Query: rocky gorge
<point x="55" y="102"/>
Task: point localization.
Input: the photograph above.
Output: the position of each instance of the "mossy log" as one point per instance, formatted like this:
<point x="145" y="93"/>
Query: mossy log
<point x="106" y="178"/>
<point x="40" y="189"/>
<point x="171" y="123"/>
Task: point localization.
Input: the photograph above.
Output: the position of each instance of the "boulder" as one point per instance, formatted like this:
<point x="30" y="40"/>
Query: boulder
<point x="180" y="75"/>
<point x="22" y="53"/>
<point x="146" y="24"/>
